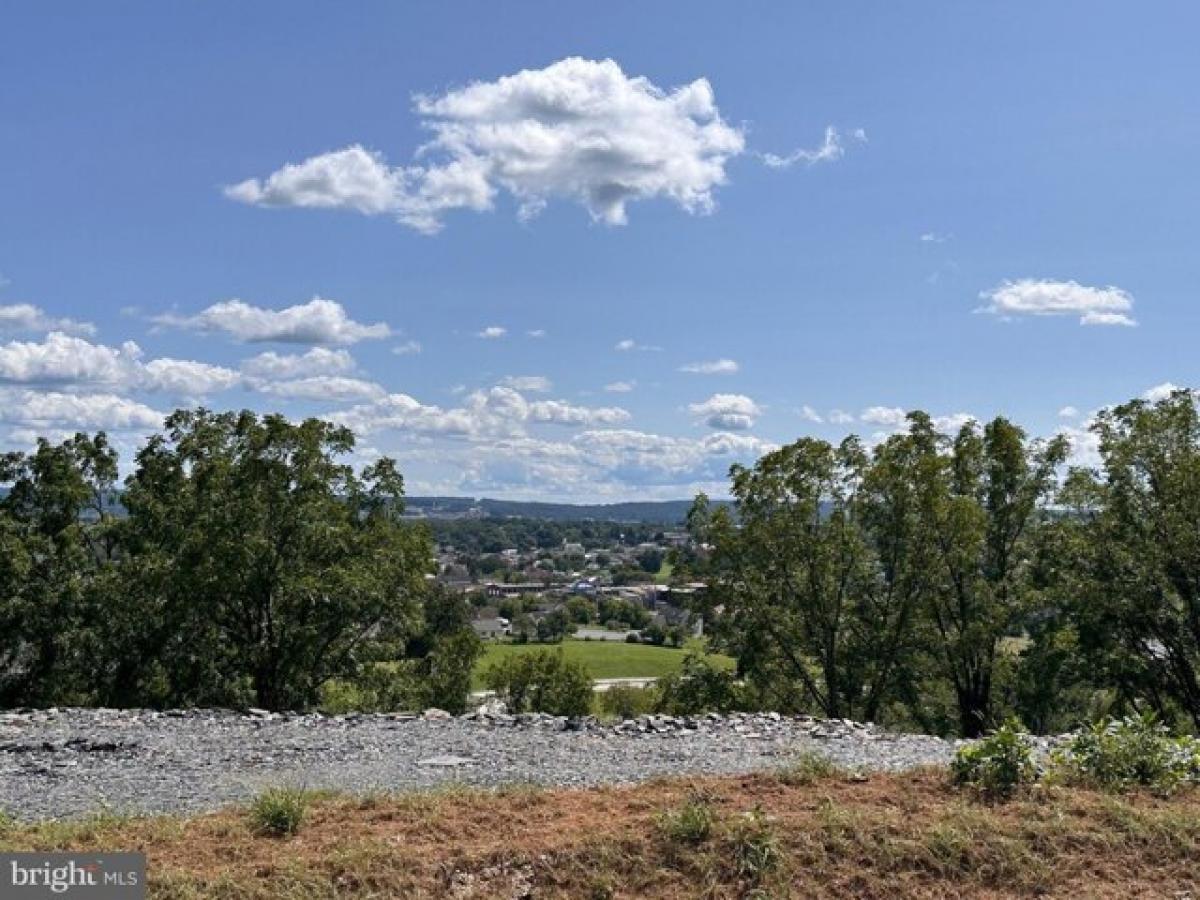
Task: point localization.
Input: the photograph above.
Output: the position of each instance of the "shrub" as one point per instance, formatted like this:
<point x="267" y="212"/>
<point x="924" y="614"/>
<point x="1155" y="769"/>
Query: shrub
<point x="997" y="764"/>
<point x="625" y="702"/>
<point x="278" y="812"/>
<point x="755" y="846"/>
<point x="806" y="767"/>
<point x="698" y="687"/>
<point x="542" y="681"/>
<point x="444" y="675"/>
<point x="691" y="823"/>
<point x="1118" y="754"/>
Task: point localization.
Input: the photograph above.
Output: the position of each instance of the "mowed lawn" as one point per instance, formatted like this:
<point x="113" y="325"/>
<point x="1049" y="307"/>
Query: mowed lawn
<point x="604" y="659"/>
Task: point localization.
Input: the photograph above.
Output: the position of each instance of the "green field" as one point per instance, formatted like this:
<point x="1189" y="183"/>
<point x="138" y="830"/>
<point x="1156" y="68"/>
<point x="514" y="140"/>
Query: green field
<point x="604" y="659"/>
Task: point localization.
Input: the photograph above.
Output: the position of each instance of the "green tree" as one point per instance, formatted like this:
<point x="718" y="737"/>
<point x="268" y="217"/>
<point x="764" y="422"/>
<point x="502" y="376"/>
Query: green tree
<point x="267" y="564"/>
<point x="982" y="502"/>
<point x="1138" y="567"/>
<point x="54" y="538"/>
<point x="797" y="580"/>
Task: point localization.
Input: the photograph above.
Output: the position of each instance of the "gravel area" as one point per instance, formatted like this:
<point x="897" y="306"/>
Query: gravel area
<point x="71" y="762"/>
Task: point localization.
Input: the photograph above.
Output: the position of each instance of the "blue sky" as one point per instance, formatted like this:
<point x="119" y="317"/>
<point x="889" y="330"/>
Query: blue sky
<point x="1031" y="160"/>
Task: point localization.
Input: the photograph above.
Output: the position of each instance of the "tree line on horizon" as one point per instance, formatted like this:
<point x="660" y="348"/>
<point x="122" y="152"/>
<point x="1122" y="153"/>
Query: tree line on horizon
<point x="940" y="581"/>
<point x="950" y="581"/>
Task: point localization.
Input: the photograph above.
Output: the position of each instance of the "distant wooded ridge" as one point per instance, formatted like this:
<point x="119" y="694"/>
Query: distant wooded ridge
<point x="652" y="512"/>
<point x="659" y="512"/>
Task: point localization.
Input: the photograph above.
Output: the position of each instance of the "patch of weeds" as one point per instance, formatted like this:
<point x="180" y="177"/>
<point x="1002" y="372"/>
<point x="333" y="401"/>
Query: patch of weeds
<point x="805" y="768"/>
<point x="998" y="764"/>
<point x="1137" y="751"/>
<point x="278" y="812"/>
<point x="755" y="846"/>
<point x="7" y="822"/>
<point x="690" y="823"/>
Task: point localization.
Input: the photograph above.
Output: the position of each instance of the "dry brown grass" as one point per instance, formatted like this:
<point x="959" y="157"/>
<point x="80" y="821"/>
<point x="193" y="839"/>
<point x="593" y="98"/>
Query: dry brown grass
<point x="890" y="836"/>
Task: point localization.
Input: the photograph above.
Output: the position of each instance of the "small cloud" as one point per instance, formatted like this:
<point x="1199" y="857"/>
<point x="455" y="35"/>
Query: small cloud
<point x="1068" y="412"/>
<point x="539" y="384"/>
<point x="319" y="321"/>
<point x="1043" y="297"/>
<point x="831" y="149"/>
<point x="712" y="367"/>
<point x="1160" y="391"/>
<point x="536" y="333"/>
<point x="408" y="348"/>
<point x="808" y="414"/>
<point x="620" y="387"/>
<point x="887" y="416"/>
<point x="730" y="412"/>
<point x="27" y="317"/>
<point x="933" y="237"/>
<point x="628" y="344"/>
<point x="840" y="417"/>
<point x="492" y="332"/>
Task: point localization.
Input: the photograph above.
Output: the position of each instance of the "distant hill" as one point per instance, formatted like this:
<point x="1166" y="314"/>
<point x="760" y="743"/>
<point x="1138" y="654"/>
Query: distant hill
<point x="658" y="512"/>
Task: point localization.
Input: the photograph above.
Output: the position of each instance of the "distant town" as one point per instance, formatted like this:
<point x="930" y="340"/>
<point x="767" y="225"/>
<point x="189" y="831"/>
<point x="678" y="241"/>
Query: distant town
<point x="530" y="578"/>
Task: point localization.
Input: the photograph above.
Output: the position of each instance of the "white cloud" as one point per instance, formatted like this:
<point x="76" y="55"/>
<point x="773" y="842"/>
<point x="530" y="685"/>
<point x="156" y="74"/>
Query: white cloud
<point x="1068" y="412"/>
<point x="886" y="416"/>
<point x="324" y="387"/>
<point x="499" y="411"/>
<point x="953" y="422"/>
<point x="353" y="178"/>
<point x="317" y="361"/>
<point x="27" y="317"/>
<point x="1032" y="297"/>
<point x="492" y="332"/>
<point x="613" y="463"/>
<point x="934" y="237"/>
<point x="41" y="411"/>
<point x="578" y="129"/>
<point x="711" y="367"/>
<point x="538" y="384"/>
<point x="186" y="378"/>
<point x="62" y="359"/>
<point x="625" y="345"/>
<point x="408" y="348"/>
<point x="831" y="149"/>
<point x="808" y="414"/>
<point x="620" y="387"/>
<point x="840" y="417"/>
<point x="727" y="411"/>
<point x="66" y="359"/>
<point x="536" y="333"/>
<point x="319" y="321"/>
<point x="1160" y="391"/>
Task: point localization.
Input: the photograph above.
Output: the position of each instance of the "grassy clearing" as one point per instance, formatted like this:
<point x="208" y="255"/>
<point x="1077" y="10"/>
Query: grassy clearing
<point x="910" y="835"/>
<point x="604" y="659"/>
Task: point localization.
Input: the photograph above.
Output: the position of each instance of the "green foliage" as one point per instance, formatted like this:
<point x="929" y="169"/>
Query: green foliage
<point x="278" y="812"/>
<point x="805" y="768"/>
<point x="542" y="681"/>
<point x="754" y="846"/>
<point x="1136" y="751"/>
<point x="691" y="822"/>
<point x="700" y="686"/>
<point x="622" y="701"/>
<point x="998" y="764"/>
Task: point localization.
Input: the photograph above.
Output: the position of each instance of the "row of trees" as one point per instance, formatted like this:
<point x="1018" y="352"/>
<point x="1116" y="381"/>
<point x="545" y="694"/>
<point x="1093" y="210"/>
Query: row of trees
<point x="251" y="566"/>
<point x="950" y="580"/>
